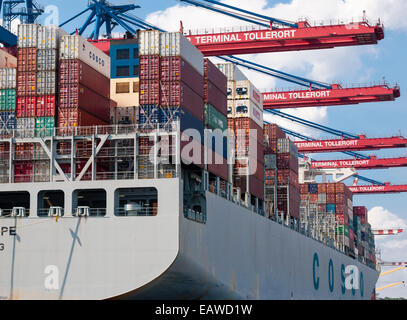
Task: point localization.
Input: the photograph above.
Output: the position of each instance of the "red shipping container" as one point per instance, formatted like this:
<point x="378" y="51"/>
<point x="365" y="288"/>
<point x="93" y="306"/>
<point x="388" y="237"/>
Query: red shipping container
<point x="177" y="69"/>
<point x="219" y="169"/>
<point x="215" y="97"/>
<point x="23" y="151"/>
<point x="340" y="209"/>
<point x="242" y="127"/>
<point x="45" y="106"/>
<point x="342" y="218"/>
<point x="331" y="198"/>
<point x="321" y="187"/>
<point x="215" y="76"/>
<point x="26" y="60"/>
<point x="361" y="212"/>
<point x="330" y="188"/>
<point x="322" y="207"/>
<point x="287" y="161"/>
<point x="304" y="188"/>
<point x="149" y="67"/>
<point x="25" y="107"/>
<point x="76" y="117"/>
<point x="287" y="176"/>
<point x="177" y="93"/>
<point x="26" y="84"/>
<point x="79" y="96"/>
<point x="313" y="198"/>
<point x="76" y="71"/>
<point x="241" y="168"/>
<point x="149" y="92"/>
<point x="23" y="171"/>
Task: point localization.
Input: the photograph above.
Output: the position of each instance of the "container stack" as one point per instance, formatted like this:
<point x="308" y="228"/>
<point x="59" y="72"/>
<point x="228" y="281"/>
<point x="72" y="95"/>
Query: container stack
<point x="7" y="60"/>
<point x="245" y="121"/>
<point x="7" y="100"/>
<point x="124" y="81"/>
<point x="215" y="117"/>
<point x="84" y="84"/>
<point x="27" y="44"/>
<point x="364" y="240"/>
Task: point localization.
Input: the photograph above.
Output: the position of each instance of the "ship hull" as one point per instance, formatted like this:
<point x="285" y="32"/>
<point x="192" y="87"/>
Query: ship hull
<point x="236" y="254"/>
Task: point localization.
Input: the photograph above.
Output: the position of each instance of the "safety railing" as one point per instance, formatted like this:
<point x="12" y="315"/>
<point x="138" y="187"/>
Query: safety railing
<point x="144" y="211"/>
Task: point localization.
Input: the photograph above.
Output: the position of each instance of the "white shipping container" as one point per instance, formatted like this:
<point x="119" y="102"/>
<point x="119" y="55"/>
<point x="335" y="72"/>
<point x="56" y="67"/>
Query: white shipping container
<point x="231" y="108"/>
<point x="246" y="90"/>
<point x="46" y="59"/>
<point x="149" y="42"/>
<point x="231" y="71"/>
<point x="248" y="109"/>
<point x="76" y="47"/>
<point x="8" y="78"/>
<point x="46" y="82"/>
<point x="27" y="35"/>
<point x="175" y="44"/>
<point x="321" y="197"/>
<point x="7" y="60"/>
<point x="231" y="89"/>
<point x="126" y="115"/>
<point x="41" y="171"/>
<point x="25" y="127"/>
<point x="285" y="145"/>
<point x="49" y="36"/>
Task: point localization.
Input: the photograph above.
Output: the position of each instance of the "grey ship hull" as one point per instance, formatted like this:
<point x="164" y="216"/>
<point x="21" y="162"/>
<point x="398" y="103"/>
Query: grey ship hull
<point x="237" y="254"/>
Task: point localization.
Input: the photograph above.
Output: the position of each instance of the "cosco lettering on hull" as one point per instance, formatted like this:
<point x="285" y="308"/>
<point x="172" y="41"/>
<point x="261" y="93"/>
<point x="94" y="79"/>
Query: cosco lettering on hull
<point x="351" y="280"/>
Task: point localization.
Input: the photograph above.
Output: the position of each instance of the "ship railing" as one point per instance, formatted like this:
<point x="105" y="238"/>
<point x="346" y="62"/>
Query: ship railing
<point x="194" y="215"/>
<point x="172" y="126"/>
<point x="145" y="211"/>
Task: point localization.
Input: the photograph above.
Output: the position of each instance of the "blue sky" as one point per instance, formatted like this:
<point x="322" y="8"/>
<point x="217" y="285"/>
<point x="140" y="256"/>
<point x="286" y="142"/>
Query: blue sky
<point x="353" y="65"/>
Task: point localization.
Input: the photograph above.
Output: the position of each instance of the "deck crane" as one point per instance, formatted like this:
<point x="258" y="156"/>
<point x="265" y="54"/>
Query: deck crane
<point x="392" y="264"/>
<point x="316" y="93"/>
<point x="276" y="35"/>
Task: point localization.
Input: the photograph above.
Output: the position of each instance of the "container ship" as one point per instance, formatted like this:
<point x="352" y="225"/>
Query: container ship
<point x="142" y="170"/>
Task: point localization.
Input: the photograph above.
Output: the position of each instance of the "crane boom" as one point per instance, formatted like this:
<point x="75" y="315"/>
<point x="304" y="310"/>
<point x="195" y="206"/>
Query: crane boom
<point x="391" y="271"/>
<point x="376" y="189"/>
<point x="361" y="144"/>
<point x="371" y="163"/>
<point x="304" y="37"/>
<point x="387" y="232"/>
<point x="329" y="97"/>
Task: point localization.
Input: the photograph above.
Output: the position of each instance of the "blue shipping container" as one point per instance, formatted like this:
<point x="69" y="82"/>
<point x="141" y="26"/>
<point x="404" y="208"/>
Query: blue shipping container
<point x="330" y="208"/>
<point x="313" y="188"/>
<point x="7" y="122"/>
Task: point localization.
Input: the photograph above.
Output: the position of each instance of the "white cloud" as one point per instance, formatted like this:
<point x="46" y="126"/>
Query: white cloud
<point x="381" y="218"/>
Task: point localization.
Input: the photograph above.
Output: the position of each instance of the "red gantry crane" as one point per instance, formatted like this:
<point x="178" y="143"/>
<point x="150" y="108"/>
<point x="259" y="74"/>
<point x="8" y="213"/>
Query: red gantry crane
<point x="329" y="97"/>
<point x="371" y="163"/>
<point x="274" y="35"/>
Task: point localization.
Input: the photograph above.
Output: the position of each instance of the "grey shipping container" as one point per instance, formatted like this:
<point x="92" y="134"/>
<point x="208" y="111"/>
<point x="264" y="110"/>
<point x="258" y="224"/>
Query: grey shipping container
<point x="25" y="127"/>
<point x="27" y="35"/>
<point x="47" y="59"/>
<point x="231" y="71"/>
<point x="46" y="82"/>
<point x="8" y="78"/>
<point x="49" y="37"/>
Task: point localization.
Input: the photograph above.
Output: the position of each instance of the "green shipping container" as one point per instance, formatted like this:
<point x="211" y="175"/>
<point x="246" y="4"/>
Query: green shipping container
<point x="44" y="126"/>
<point x="7" y="100"/>
<point x="214" y="119"/>
<point x="339" y="230"/>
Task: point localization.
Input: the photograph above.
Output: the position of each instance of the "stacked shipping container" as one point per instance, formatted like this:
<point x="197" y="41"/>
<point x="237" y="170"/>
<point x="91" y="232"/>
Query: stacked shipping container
<point x="245" y="120"/>
<point x="281" y="172"/>
<point x="84" y="84"/>
<point x="364" y="239"/>
<point x="7" y="100"/>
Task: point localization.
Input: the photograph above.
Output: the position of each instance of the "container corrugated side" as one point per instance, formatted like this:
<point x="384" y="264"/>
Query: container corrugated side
<point x="45" y="106"/>
<point x="248" y="109"/>
<point x="25" y="127"/>
<point x="231" y="71"/>
<point x="26" y="84"/>
<point x="149" y="42"/>
<point x="214" y="119"/>
<point x="76" y="71"/>
<point x="76" y="47"/>
<point x="46" y="83"/>
<point x="7" y="99"/>
<point x="7" y="122"/>
<point x="44" y="126"/>
<point x="49" y="36"/>
<point x="47" y="59"/>
<point x="25" y="107"/>
<point x="245" y="89"/>
<point x="27" y="60"/>
<point x="175" y="44"/>
<point x="27" y="35"/>
<point x="7" y="60"/>
<point x="8" y="78"/>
